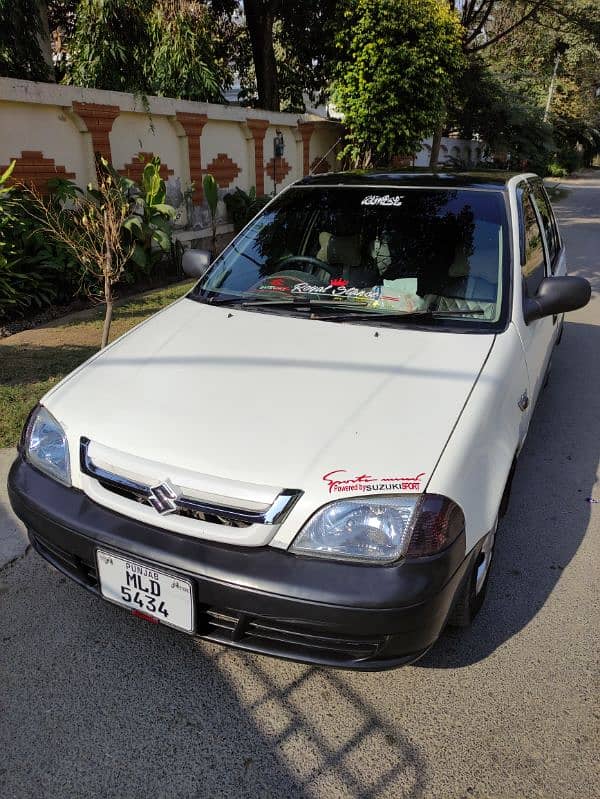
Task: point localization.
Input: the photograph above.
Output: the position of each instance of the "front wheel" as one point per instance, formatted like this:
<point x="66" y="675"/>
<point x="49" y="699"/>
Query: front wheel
<point x="472" y="593"/>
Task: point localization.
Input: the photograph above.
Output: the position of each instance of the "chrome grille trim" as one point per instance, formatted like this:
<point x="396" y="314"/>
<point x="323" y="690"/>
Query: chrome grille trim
<point x="279" y="510"/>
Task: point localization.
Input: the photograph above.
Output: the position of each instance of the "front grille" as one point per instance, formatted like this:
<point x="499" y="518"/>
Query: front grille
<point x="168" y="499"/>
<point x="282" y="636"/>
<point x="83" y="571"/>
<point x="197" y="515"/>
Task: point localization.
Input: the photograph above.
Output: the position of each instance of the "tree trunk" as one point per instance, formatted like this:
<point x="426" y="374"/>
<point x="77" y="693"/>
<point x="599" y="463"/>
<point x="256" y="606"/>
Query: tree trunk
<point x="109" y="311"/>
<point x="45" y="40"/>
<point x="436" y="146"/>
<point x="260" y="17"/>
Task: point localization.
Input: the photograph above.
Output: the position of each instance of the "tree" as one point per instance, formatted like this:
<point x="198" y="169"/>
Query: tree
<point x="22" y="32"/>
<point x="283" y="50"/>
<point x="182" y="62"/>
<point x="527" y="62"/>
<point x="158" y="47"/>
<point x="398" y="61"/>
<point x="92" y="229"/>
<point x="260" y="18"/>
<point x="511" y="49"/>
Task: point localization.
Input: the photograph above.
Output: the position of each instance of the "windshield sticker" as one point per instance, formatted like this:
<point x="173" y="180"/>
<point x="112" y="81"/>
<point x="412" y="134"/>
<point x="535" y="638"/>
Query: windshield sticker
<point x="337" y="289"/>
<point x="340" y="482"/>
<point x="275" y="284"/>
<point x="383" y="199"/>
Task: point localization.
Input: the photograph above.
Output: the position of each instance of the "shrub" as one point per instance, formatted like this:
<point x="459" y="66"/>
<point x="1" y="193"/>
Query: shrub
<point x="38" y="268"/>
<point x="34" y="271"/>
<point x="555" y="170"/>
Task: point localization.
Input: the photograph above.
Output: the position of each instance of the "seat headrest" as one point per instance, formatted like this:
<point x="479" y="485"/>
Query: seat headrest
<point x="344" y="250"/>
<point x="484" y="262"/>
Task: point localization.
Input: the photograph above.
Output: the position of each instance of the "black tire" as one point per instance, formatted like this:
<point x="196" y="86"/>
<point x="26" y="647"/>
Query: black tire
<point x="471" y="595"/>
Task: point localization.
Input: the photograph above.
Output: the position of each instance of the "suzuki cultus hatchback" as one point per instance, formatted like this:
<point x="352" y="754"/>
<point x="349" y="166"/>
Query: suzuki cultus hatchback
<point x="307" y="456"/>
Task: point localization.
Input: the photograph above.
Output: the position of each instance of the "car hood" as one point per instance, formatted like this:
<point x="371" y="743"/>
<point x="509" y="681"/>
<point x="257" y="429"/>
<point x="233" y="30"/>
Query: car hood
<point x="262" y="399"/>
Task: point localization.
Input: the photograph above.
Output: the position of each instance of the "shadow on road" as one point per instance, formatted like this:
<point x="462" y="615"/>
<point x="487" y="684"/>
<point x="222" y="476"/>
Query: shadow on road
<point x="549" y="513"/>
<point x="96" y="703"/>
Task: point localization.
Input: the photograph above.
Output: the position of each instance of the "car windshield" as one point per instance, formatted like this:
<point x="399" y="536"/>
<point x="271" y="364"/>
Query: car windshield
<point x="361" y="253"/>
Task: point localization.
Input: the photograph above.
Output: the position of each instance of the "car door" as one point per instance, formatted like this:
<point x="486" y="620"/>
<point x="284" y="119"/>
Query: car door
<point x="538" y="336"/>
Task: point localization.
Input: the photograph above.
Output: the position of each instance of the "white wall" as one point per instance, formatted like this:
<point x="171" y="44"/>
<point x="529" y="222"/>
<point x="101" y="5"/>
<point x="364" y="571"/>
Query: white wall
<point x="42" y="117"/>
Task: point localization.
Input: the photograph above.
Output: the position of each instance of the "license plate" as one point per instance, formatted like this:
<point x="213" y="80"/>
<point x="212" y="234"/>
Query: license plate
<point x="136" y="586"/>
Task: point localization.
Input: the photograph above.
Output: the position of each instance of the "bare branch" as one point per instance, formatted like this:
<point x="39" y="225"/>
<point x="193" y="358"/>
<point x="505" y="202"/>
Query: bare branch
<point x="91" y="228"/>
<point x="483" y="19"/>
<point x="536" y="7"/>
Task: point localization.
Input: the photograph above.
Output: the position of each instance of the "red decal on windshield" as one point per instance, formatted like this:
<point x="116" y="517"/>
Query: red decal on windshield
<point x="339" y="483"/>
<point x="338" y="283"/>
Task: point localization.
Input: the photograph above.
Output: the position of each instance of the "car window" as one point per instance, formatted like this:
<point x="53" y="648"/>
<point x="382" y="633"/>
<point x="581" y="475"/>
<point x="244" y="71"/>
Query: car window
<point x="533" y="263"/>
<point x="548" y="222"/>
<point x="397" y="250"/>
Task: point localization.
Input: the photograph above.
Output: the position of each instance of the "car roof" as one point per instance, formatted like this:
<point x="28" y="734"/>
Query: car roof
<point x="484" y="179"/>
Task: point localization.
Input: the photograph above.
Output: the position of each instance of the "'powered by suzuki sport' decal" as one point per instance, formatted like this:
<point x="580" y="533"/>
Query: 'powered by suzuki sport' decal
<point x="340" y="481"/>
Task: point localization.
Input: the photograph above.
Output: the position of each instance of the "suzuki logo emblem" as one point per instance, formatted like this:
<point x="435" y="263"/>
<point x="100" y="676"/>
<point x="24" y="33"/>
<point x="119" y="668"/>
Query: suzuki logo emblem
<point x="163" y="498"/>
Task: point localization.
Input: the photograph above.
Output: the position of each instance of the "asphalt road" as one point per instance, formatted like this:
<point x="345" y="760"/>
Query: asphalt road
<point x="94" y="703"/>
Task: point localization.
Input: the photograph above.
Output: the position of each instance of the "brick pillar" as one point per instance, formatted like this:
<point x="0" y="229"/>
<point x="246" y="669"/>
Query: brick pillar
<point x="258" y="129"/>
<point x="306" y="131"/>
<point x="99" y="121"/>
<point x="193" y="125"/>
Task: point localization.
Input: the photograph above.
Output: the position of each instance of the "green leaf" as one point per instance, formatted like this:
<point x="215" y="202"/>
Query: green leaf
<point x="7" y="172"/>
<point x="134" y="225"/>
<point x="162" y="239"/>
<point x="139" y="256"/>
<point x="165" y="209"/>
<point x="211" y="192"/>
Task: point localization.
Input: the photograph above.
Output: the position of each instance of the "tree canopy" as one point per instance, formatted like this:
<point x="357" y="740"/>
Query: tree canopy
<point x="20" y="32"/>
<point x="397" y="62"/>
<point x="399" y="71"/>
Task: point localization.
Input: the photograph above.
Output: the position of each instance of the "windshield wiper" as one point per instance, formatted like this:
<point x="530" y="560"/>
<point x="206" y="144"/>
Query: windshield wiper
<point x="350" y="310"/>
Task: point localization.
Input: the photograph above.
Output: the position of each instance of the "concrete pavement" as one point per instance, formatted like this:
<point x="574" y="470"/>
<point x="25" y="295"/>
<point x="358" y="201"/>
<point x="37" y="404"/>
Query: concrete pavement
<point x="13" y="539"/>
<point x="94" y="703"/>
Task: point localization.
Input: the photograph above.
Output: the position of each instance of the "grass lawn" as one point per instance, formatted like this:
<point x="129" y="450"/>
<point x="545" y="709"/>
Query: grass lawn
<point x="33" y="361"/>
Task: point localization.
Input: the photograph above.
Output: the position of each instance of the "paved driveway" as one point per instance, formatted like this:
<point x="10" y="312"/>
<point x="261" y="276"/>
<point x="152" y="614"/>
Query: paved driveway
<point x="94" y="703"/>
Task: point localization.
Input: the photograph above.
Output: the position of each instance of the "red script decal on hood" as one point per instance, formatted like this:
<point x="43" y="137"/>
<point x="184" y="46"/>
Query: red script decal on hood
<point x="338" y="483"/>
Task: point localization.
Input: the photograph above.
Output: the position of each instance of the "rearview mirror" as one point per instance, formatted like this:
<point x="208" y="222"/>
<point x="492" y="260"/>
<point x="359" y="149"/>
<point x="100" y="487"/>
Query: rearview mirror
<point x="557" y="295"/>
<point x="195" y="262"/>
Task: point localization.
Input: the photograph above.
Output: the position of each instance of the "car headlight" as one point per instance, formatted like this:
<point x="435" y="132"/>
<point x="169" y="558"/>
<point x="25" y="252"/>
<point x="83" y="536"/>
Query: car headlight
<point x="46" y="447"/>
<point x="381" y="530"/>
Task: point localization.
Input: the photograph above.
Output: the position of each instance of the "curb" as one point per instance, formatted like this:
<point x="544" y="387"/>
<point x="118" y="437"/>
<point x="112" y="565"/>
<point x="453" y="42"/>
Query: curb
<point x="13" y="538"/>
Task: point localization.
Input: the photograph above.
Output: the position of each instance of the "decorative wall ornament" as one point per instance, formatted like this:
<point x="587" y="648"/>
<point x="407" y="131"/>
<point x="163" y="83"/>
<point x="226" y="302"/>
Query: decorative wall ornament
<point x="193" y="125"/>
<point x="223" y="169"/>
<point x="277" y="169"/>
<point x="99" y="120"/>
<point x="258" y="129"/>
<point x="35" y="170"/>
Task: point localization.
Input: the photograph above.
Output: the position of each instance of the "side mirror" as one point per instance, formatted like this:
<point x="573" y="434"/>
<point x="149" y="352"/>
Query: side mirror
<point x="195" y="262"/>
<point x="557" y="295"/>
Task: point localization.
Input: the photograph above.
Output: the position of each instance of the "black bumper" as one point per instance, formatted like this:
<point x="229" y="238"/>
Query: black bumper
<point x="259" y="599"/>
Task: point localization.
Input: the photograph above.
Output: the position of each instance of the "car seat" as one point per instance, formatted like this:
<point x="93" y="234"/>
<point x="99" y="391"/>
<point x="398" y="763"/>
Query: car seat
<point x="472" y="279"/>
<point x="344" y="253"/>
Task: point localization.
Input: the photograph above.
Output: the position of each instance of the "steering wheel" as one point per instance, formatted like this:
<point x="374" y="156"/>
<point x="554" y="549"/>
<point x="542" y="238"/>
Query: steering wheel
<point x="307" y="259"/>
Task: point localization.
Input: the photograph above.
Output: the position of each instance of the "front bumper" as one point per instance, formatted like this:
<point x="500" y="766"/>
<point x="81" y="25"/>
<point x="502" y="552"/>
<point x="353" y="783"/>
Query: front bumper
<point x="259" y="599"/>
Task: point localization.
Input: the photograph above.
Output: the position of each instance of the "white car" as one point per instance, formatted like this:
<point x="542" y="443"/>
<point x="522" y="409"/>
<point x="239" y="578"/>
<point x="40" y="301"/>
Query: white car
<point x="307" y="456"/>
